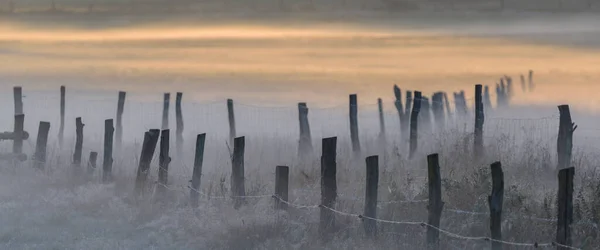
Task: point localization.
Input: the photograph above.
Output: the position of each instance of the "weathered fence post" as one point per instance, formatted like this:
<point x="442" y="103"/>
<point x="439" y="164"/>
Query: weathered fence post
<point x="436" y="205"/>
<point x="165" y="113"/>
<point x="408" y="113"/>
<point x="479" y="120"/>
<point x="487" y="102"/>
<point x="39" y="157"/>
<point x="163" y="163"/>
<point x="237" y="172"/>
<point x="565" y="137"/>
<point x="20" y="134"/>
<point x="495" y="201"/>
<point x="381" y="120"/>
<point x="523" y="84"/>
<point x="231" y="116"/>
<point x="400" y="109"/>
<point x="425" y="115"/>
<point x="354" y="123"/>
<point x="148" y="148"/>
<point x="447" y="104"/>
<point x="531" y="84"/>
<point x="372" y="184"/>
<point x="107" y="161"/>
<point x="509" y="88"/>
<point x="179" y="124"/>
<point x="197" y="174"/>
<point x="92" y="162"/>
<point x="61" y="130"/>
<point x="328" y="185"/>
<point x="305" y="143"/>
<point x="18" y="96"/>
<point x="78" y="143"/>
<point x="437" y="106"/>
<point x="565" y="207"/>
<point x="414" y="133"/>
<point x="119" y="125"/>
<point x="282" y="176"/>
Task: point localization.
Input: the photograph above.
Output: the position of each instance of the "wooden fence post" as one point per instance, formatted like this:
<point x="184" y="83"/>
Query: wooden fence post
<point x="381" y="120"/>
<point x="305" y="143"/>
<point x="495" y="201"/>
<point x="372" y="184"/>
<point x="231" y="116"/>
<point x="119" y="125"/>
<point x="414" y="115"/>
<point x="237" y="172"/>
<point x="107" y="161"/>
<point x="437" y="106"/>
<point x="523" y="84"/>
<point x="425" y="115"/>
<point x="400" y="109"/>
<point x="78" y="143"/>
<point x="163" y="163"/>
<point x="165" y="113"/>
<point x="435" y="205"/>
<point x="565" y="137"/>
<point x="565" y="207"/>
<point x="179" y="124"/>
<point x="197" y="174"/>
<point x="354" y="123"/>
<point x="479" y="120"/>
<point x="61" y="130"/>
<point x="282" y="175"/>
<point x="509" y="88"/>
<point x="39" y="157"/>
<point x="18" y="97"/>
<point x="20" y="134"/>
<point x="408" y="113"/>
<point x="447" y="104"/>
<point x="531" y="85"/>
<point x="148" y="148"/>
<point x="328" y="185"/>
<point x="487" y="102"/>
<point x="92" y="162"/>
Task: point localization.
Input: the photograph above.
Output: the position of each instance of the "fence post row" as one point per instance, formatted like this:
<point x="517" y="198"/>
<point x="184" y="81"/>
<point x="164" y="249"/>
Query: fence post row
<point x="197" y="174"/>
<point x="328" y="185"/>
<point x="237" y="172"/>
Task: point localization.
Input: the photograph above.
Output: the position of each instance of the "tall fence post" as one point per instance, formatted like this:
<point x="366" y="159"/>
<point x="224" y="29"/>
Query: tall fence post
<point x="39" y="157"/>
<point x="148" y="148"/>
<point x="282" y="175"/>
<point x="61" y="130"/>
<point x="354" y="123"/>
<point x="179" y="123"/>
<point x="237" y="172"/>
<point x="414" y="118"/>
<point x="20" y="134"/>
<point x="107" y="161"/>
<point x="197" y="174"/>
<point x="78" y="143"/>
<point x="305" y="142"/>
<point x="92" y="162"/>
<point x="495" y="201"/>
<point x="163" y="163"/>
<point x="165" y="113"/>
<point x="565" y="207"/>
<point x="372" y="184"/>
<point x="119" y="125"/>
<point x="231" y="116"/>
<point x="565" y="137"/>
<point x="435" y="205"/>
<point x="381" y="120"/>
<point x="479" y="120"/>
<point x="18" y="97"/>
<point x="328" y="185"/>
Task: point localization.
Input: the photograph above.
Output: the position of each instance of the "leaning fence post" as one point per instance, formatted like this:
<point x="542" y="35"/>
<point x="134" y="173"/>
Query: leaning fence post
<point x="231" y="116"/>
<point x="78" y="143"/>
<point x="18" y="96"/>
<point x="479" y="120"/>
<point x="565" y="137"/>
<point x="165" y="113"/>
<point x="163" y="162"/>
<point x="179" y="123"/>
<point x="20" y="134"/>
<point x="354" y="123"/>
<point x="107" y="161"/>
<point x="305" y="143"/>
<point x="119" y="125"/>
<point x="435" y="205"/>
<point x="281" y="186"/>
<point x="495" y="201"/>
<point x="237" y="172"/>
<point x="328" y="185"/>
<point x="39" y="157"/>
<point x="61" y="130"/>
<point x="565" y="207"/>
<point x="197" y="174"/>
<point x="92" y="162"/>
<point x="414" y="118"/>
<point x="148" y="148"/>
<point x="372" y="183"/>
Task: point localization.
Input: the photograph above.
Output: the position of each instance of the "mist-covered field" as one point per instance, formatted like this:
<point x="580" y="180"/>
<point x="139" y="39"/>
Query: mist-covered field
<point x="268" y="66"/>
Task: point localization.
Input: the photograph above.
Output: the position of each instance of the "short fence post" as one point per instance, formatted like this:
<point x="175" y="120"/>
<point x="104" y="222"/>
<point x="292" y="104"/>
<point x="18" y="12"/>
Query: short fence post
<point x="165" y="113"/>
<point x="179" y="123"/>
<point x="381" y="120"/>
<point x="163" y="163"/>
<point x="328" y="185"/>
<point x="61" y="130"/>
<point x="18" y="96"/>
<point x="231" y="118"/>
<point x="78" y="143"/>
<point x="197" y="174"/>
<point x="354" y="123"/>
<point x="565" y="207"/>
<point x="479" y="120"/>
<point x="305" y="143"/>
<point x="238" y="188"/>
<point x="495" y="201"/>
<point x="372" y="184"/>
<point x="148" y="148"/>
<point x="20" y="134"/>
<point x="435" y="205"/>
<point x="282" y="175"/>
<point x="39" y="158"/>
<point x="107" y="161"/>
<point x="565" y="137"/>
<point x="414" y="118"/>
<point x="92" y="162"/>
<point x="119" y="125"/>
